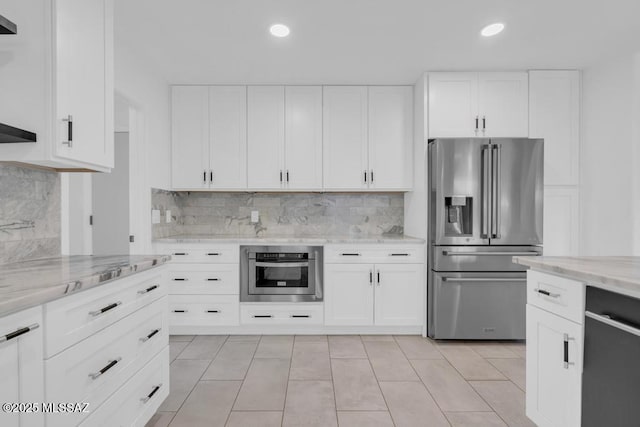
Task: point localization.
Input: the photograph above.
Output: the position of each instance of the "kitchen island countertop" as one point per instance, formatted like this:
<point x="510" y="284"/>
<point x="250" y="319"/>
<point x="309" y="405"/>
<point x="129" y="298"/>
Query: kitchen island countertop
<point x="26" y="284"/>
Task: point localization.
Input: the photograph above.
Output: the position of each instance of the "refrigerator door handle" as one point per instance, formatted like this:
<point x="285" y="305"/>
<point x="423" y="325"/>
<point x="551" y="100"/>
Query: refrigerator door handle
<point x="486" y="167"/>
<point x="495" y="190"/>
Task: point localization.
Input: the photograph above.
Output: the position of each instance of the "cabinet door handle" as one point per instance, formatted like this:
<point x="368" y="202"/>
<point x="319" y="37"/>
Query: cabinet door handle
<point x="566" y="362"/>
<point x="211" y="176"/>
<point x="370" y="277"/>
<point x="262" y="316"/>
<point x="110" y="365"/>
<point x="150" y="395"/>
<point x="378" y="277"/>
<point x="477" y="124"/>
<point x="180" y="253"/>
<point x="105" y="309"/>
<point x="300" y="316"/>
<point x="18" y="332"/>
<point x="213" y="279"/>
<point x="149" y="289"/>
<point x="204" y="177"/>
<point x="214" y="311"/>
<point x="484" y="123"/>
<point x="281" y="176"/>
<point x="399" y="254"/>
<point x="180" y="311"/>
<point x="287" y="175"/>
<point x="148" y="337"/>
<point x="350" y="254"/>
<point x="69" y="141"/>
<point x="180" y="279"/>
<point x="213" y="254"/>
<point x="371" y="176"/>
<point x="547" y="293"/>
<point x="365" y="177"/>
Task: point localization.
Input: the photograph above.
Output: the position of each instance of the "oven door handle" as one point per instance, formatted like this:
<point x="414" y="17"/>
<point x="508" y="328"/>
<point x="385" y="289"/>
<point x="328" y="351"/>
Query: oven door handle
<point x="282" y="264"/>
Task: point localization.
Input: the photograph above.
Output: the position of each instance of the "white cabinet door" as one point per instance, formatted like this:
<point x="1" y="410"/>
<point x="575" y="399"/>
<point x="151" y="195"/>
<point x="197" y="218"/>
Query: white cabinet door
<point x="265" y="115"/>
<point x="344" y="139"/>
<point x="453" y="105"/>
<point x="390" y="137"/>
<point x="190" y="137"/>
<point x="503" y="104"/>
<point x="82" y="81"/>
<point x="399" y="294"/>
<point x="228" y="137"/>
<point x="561" y="220"/>
<point x="554" y="387"/>
<point x="21" y="367"/>
<point x="554" y="114"/>
<point x="348" y="298"/>
<point x="303" y="137"/>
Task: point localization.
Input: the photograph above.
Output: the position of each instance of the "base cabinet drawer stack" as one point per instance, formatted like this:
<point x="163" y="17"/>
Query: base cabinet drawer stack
<point x="374" y="285"/>
<point x="555" y="337"/>
<point x="203" y="286"/>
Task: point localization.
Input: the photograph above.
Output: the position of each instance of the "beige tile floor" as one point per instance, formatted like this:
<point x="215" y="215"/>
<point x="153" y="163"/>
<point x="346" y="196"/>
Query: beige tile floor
<point x="346" y="381"/>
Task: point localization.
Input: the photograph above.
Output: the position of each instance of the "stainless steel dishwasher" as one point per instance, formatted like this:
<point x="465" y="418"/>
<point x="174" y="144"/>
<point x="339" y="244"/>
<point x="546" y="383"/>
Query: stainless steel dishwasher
<point x="611" y="375"/>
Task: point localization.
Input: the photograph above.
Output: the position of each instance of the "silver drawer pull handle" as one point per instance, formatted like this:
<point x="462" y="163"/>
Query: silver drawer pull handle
<point x="482" y="279"/>
<point x="148" y="337"/>
<point x="18" y="332"/>
<point x="213" y="279"/>
<point x="546" y="293"/>
<point x="214" y="311"/>
<point x="150" y="395"/>
<point x="181" y="253"/>
<point x="105" y="309"/>
<point x="496" y="253"/>
<point x="149" y="289"/>
<point x="350" y="254"/>
<point x="110" y="365"/>
<point x="213" y="254"/>
<point x="300" y="316"/>
<point x="180" y="311"/>
<point x="403" y="254"/>
<point x="262" y="316"/>
<point x="180" y="279"/>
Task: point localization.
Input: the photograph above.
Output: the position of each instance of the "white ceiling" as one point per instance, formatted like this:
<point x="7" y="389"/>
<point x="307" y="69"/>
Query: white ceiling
<point x="368" y="41"/>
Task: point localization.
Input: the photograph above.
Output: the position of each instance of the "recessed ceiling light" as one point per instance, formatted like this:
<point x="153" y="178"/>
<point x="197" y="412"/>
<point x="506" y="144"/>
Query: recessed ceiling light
<point x="279" y="30"/>
<point x="492" y="29"/>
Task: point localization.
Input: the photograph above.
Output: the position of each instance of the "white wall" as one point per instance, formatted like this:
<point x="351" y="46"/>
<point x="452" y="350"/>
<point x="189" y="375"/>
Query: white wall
<point x="609" y="195"/>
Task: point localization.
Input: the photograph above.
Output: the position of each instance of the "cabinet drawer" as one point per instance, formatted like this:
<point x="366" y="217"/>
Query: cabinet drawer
<point x="201" y="253"/>
<point x="74" y="318"/>
<point x="204" y="279"/>
<point x="372" y="253"/>
<point x="282" y="314"/>
<point x="203" y="310"/>
<point x="558" y="295"/>
<point x="136" y="402"/>
<point x="93" y="369"/>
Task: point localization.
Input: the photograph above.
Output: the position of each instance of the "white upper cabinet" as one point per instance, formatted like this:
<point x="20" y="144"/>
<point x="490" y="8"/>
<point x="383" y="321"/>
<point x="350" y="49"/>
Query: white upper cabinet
<point x="478" y="104"/>
<point x="190" y="137"/>
<point x="503" y="104"/>
<point x="390" y="137"/>
<point x="265" y="133"/>
<point x="554" y="114"/>
<point x="228" y="137"/>
<point x="303" y="137"/>
<point x="209" y="137"/>
<point x="453" y="105"/>
<point x="345" y="139"/>
<point x="58" y="83"/>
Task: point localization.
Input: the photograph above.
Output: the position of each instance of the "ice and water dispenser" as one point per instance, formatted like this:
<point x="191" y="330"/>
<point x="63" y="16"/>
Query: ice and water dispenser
<point x="458" y="216"/>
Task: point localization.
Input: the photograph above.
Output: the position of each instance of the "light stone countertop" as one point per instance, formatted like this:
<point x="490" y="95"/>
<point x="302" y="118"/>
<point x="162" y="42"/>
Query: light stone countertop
<point x="27" y="284"/>
<point x="620" y="274"/>
<point x="290" y="239"/>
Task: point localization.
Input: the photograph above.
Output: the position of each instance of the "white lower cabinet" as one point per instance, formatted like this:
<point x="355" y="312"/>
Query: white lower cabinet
<point x="21" y="369"/>
<point x="554" y="353"/>
<point x="374" y="294"/>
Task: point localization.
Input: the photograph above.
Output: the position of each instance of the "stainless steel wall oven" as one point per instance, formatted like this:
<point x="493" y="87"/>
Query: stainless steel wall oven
<point x="280" y="273"/>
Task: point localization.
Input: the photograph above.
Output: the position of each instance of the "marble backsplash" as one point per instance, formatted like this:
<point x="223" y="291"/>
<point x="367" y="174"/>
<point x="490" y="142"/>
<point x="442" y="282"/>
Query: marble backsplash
<point x="302" y="214"/>
<point x="29" y="213"/>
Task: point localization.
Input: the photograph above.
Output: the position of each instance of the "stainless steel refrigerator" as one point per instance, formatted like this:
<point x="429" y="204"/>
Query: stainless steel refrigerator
<point x="485" y="206"/>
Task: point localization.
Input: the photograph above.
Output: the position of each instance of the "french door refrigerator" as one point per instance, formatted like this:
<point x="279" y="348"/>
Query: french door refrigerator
<point x="485" y="206"/>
